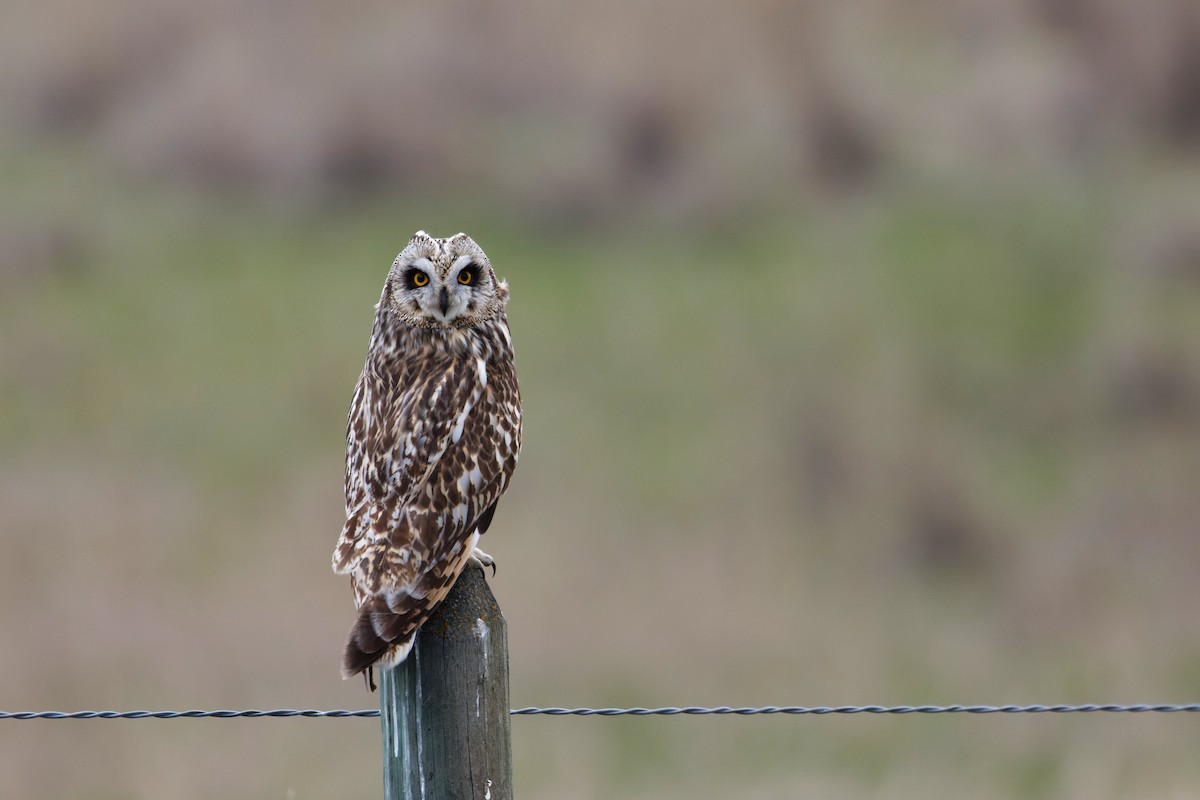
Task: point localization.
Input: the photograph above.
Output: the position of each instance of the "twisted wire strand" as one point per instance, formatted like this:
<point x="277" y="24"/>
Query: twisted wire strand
<point x="667" y="711"/>
<point x="192" y="714"/>
<point x="823" y="710"/>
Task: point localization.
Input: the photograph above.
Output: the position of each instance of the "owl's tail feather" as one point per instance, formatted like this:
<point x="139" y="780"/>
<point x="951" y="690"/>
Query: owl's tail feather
<point x="379" y="638"/>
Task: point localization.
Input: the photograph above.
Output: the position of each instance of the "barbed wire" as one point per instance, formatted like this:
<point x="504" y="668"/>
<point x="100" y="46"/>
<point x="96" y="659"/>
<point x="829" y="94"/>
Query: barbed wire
<point x="823" y="710"/>
<point x="193" y="714"/>
<point x="1087" y="708"/>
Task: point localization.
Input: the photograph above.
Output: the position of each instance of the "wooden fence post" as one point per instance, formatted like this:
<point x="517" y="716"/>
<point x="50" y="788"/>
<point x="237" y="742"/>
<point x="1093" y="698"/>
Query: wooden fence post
<point x="445" y="709"/>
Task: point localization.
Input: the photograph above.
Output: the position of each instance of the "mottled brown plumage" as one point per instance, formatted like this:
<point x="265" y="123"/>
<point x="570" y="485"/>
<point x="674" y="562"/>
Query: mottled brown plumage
<point x="432" y="439"/>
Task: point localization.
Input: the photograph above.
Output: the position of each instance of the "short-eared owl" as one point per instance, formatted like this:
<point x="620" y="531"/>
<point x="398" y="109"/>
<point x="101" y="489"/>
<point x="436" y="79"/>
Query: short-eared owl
<point x="432" y="438"/>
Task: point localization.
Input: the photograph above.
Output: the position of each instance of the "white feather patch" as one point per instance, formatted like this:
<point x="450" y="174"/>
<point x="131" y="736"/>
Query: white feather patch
<point x="395" y="654"/>
<point x="459" y="421"/>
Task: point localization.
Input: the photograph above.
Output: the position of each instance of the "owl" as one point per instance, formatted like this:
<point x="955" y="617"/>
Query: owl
<point x="432" y="439"/>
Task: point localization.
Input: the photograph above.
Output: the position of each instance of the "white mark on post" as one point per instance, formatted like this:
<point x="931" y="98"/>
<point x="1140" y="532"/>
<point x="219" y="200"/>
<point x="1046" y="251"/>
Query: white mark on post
<point x="487" y="791"/>
<point x="416" y="657"/>
<point x="482" y="627"/>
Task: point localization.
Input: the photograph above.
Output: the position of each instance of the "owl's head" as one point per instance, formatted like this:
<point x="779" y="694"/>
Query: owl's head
<point x="443" y="283"/>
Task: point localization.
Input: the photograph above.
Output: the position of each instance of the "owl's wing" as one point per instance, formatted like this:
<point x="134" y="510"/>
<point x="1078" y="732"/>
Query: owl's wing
<point x="396" y="435"/>
<point x="406" y="546"/>
<point x="425" y="465"/>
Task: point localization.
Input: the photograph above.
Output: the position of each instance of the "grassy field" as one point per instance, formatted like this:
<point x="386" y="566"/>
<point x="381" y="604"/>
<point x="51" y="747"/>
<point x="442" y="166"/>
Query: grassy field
<point x="936" y="446"/>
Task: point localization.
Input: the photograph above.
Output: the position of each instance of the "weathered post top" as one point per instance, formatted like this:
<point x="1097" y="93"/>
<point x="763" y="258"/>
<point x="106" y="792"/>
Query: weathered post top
<point x="445" y="709"/>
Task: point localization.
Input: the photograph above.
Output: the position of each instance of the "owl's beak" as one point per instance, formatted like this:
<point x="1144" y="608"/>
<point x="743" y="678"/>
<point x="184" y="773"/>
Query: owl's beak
<point x="444" y="300"/>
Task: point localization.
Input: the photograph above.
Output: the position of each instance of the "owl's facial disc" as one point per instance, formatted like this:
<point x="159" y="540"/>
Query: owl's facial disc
<point x="443" y="283"/>
<point x="442" y="295"/>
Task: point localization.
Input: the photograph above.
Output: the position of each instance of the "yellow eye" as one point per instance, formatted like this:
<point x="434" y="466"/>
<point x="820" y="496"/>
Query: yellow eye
<point x="466" y="276"/>
<point x="420" y="279"/>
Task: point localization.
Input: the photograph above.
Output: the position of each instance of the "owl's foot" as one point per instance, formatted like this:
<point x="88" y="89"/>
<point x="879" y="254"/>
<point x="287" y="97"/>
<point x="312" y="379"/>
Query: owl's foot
<point x="480" y="559"/>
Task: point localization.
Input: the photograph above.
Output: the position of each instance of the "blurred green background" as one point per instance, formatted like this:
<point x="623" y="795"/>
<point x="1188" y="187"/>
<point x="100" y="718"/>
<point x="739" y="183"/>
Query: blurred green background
<point x="860" y="349"/>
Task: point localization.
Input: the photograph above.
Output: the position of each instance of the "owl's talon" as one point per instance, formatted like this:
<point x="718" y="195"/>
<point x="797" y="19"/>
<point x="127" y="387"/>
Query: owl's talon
<point x="481" y="559"/>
